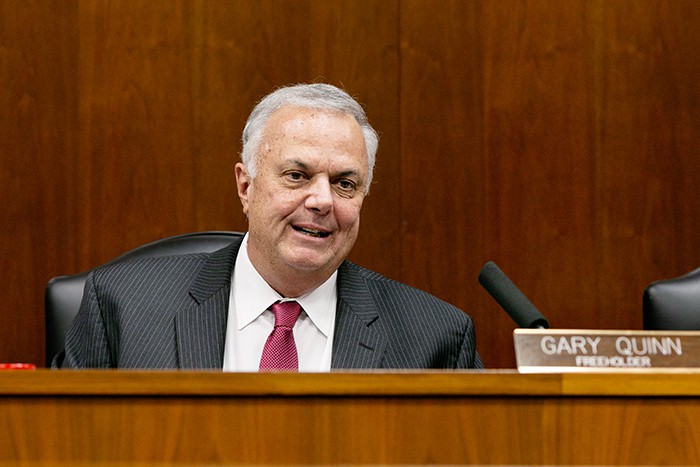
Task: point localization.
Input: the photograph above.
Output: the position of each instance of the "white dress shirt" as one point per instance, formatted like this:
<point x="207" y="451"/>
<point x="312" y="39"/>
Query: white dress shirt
<point x="250" y="322"/>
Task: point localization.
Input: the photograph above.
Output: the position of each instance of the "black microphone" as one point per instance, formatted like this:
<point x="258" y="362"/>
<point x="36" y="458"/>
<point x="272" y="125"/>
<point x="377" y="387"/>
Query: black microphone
<point x="511" y="298"/>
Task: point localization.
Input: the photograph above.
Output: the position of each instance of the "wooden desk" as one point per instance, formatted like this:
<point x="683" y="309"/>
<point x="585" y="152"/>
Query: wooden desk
<point x="492" y="417"/>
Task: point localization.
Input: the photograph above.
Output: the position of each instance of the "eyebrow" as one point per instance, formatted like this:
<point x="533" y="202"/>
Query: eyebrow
<point x="348" y="173"/>
<point x="345" y="173"/>
<point x="300" y="164"/>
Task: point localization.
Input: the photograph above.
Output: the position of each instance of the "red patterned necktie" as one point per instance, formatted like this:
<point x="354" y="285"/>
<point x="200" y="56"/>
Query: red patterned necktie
<point x="280" y="352"/>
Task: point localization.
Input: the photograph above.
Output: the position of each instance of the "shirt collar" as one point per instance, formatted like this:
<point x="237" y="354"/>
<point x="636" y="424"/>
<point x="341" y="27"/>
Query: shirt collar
<point x="252" y="295"/>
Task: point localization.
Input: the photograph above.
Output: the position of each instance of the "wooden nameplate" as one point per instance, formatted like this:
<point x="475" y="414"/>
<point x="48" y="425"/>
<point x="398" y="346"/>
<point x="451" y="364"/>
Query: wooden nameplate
<point x="576" y="350"/>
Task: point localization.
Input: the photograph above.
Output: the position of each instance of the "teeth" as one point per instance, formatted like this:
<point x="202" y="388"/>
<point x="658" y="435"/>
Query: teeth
<point x="313" y="233"/>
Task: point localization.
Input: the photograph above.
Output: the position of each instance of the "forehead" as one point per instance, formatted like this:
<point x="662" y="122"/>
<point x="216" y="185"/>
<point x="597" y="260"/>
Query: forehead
<point x="292" y="126"/>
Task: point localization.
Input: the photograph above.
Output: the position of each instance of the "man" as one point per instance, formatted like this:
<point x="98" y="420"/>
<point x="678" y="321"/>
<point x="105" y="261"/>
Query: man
<point x="284" y="297"/>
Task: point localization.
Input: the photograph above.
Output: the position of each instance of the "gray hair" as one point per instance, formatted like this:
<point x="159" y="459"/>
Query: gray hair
<point x="314" y="96"/>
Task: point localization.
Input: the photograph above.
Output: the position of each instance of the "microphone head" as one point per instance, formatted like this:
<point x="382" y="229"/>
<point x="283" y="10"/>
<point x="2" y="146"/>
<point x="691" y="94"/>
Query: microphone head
<point x="511" y="299"/>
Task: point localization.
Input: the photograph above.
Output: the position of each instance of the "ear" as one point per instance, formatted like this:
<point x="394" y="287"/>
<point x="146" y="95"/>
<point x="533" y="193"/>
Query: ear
<point x="243" y="182"/>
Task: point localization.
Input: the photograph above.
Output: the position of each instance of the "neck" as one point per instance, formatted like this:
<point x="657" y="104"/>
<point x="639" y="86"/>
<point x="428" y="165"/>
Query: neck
<point x="295" y="285"/>
<point x="286" y="280"/>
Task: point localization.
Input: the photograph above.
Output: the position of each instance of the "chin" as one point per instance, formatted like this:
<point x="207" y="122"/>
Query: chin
<point x="309" y="264"/>
<point x="304" y="266"/>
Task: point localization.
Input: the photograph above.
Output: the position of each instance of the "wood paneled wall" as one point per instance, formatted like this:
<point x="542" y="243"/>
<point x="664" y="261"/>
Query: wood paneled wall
<point x="558" y="138"/>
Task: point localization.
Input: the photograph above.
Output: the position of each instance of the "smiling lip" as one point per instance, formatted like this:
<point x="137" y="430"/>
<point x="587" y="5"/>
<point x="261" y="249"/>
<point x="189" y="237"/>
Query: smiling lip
<point x="312" y="232"/>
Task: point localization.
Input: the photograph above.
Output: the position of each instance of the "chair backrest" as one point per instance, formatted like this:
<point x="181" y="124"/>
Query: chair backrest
<point x="673" y="304"/>
<point x="64" y="293"/>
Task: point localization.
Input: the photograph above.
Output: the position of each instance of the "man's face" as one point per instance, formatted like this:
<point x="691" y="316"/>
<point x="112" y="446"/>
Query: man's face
<point x="303" y="206"/>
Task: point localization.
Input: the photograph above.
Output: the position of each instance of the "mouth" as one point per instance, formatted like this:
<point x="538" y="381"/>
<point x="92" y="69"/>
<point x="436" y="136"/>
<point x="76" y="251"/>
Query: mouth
<point x="312" y="232"/>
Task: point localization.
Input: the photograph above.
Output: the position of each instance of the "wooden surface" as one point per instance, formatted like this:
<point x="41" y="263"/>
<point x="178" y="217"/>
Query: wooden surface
<point x="493" y="417"/>
<point x="558" y="138"/>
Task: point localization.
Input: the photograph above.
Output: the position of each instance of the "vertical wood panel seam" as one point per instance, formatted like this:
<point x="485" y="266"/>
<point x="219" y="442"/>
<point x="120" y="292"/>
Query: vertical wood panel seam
<point x="399" y="137"/>
<point x="597" y="16"/>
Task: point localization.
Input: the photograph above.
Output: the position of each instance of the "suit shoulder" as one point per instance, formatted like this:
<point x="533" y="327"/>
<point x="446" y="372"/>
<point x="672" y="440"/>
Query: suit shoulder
<point x="149" y="269"/>
<point x="389" y="292"/>
<point x="174" y="260"/>
<point x="169" y="264"/>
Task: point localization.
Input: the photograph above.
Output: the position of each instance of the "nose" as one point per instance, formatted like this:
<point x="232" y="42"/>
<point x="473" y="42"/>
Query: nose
<point x="320" y="196"/>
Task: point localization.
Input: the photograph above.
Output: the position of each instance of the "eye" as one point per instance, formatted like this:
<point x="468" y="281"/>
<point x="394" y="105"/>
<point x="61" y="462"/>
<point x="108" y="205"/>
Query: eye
<point x="345" y="185"/>
<point x="295" y="176"/>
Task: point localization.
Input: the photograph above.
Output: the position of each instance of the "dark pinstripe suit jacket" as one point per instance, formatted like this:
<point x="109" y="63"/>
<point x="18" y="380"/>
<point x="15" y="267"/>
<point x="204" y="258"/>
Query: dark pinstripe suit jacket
<point x="171" y="312"/>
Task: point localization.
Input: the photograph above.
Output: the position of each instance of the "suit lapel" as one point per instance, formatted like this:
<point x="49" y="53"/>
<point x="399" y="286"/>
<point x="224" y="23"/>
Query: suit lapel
<point x="359" y="340"/>
<point x="201" y="328"/>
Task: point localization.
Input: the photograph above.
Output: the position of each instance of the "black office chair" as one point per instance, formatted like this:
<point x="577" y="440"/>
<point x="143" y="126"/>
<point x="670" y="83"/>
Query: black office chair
<point x="673" y="304"/>
<point x="64" y="293"/>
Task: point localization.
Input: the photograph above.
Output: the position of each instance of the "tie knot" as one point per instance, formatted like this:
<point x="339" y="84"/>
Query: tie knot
<point x="286" y="313"/>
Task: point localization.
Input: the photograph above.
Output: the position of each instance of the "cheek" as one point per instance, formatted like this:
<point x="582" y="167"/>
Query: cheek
<point x="271" y="205"/>
<point x="348" y="215"/>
